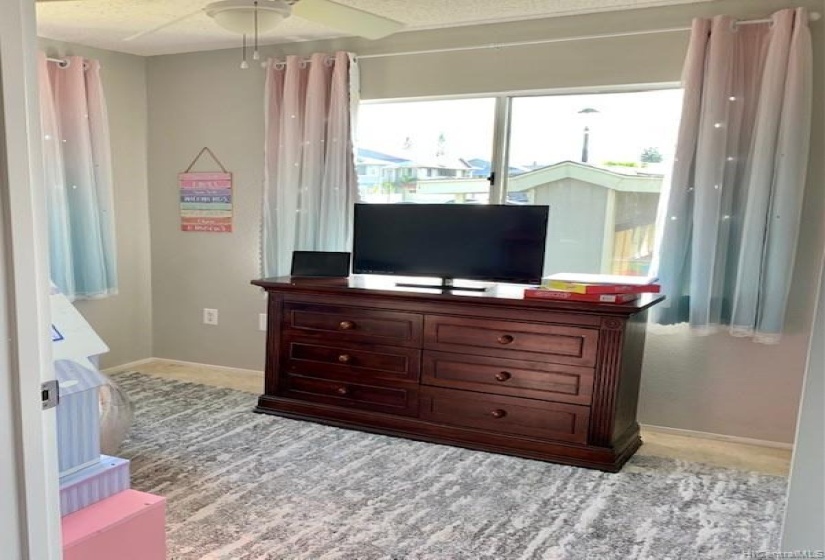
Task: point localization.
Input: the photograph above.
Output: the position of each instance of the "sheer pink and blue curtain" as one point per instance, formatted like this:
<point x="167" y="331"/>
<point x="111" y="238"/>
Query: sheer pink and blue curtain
<point x="731" y="221"/>
<point x="310" y="182"/>
<point x="78" y="174"/>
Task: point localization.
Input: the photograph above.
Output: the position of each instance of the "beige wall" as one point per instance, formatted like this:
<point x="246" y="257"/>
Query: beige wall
<point x="123" y="321"/>
<point x="195" y="101"/>
<point x="716" y="384"/>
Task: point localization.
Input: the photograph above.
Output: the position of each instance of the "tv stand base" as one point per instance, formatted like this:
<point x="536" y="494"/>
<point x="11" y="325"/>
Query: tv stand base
<point x="447" y="285"/>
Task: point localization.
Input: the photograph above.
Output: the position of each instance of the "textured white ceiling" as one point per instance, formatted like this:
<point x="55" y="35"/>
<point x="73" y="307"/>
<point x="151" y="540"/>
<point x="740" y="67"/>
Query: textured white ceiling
<point x="105" y="23"/>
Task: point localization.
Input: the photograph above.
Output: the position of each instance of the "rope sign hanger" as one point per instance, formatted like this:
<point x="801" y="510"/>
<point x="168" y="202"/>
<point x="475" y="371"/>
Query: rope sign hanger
<point x="211" y="154"/>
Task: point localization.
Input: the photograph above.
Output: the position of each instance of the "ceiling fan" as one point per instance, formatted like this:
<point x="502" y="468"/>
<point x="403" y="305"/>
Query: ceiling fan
<point x="258" y="16"/>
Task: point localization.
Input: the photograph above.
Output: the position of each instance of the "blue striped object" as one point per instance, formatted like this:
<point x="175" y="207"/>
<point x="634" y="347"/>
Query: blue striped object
<point x="109" y="476"/>
<point x="78" y="416"/>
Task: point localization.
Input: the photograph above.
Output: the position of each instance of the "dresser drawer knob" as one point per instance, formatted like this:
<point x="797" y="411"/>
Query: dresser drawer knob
<point x="346" y="325"/>
<point x="498" y="413"/>
<point x="345" y="358"/>
<point x="505" y="339"/>
<point x="503" y="376"/>
<point x="343" y="391"/>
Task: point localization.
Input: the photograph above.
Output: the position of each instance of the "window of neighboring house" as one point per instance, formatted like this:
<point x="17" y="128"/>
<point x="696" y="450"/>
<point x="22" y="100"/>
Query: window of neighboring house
<point x="598" y="160"/>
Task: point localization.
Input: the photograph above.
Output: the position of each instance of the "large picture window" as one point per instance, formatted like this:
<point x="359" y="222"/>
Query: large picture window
<point x="598" y="160"/>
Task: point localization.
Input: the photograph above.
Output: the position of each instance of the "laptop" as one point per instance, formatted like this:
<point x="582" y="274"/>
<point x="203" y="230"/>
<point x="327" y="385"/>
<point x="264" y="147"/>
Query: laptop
<point x="320" y="264"/>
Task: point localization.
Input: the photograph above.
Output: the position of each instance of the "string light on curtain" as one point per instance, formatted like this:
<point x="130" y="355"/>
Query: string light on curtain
<point x="248" y="19"/>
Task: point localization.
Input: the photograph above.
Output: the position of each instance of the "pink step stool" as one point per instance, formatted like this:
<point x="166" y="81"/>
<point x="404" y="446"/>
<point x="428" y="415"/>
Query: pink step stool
<point x="130" y="525"/>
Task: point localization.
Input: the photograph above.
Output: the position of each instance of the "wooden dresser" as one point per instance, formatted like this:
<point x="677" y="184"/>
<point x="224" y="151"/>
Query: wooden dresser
<point x="550" y="380"/>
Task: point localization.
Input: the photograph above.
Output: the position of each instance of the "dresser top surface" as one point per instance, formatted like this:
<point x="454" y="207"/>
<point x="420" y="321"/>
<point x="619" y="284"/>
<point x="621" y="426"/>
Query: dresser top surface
<point x="505" y="295"/>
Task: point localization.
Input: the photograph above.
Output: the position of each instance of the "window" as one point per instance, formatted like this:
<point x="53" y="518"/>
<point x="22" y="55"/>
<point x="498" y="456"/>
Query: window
<point x="598" y="160"/>
<point x="425" y="151"/>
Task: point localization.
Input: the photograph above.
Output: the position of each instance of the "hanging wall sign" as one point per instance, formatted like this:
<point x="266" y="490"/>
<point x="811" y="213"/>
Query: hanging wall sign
<point x="205" y="198"/>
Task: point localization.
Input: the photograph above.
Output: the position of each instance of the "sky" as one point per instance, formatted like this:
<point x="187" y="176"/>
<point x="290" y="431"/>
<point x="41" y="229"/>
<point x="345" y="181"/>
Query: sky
<point x="544" y="129"/>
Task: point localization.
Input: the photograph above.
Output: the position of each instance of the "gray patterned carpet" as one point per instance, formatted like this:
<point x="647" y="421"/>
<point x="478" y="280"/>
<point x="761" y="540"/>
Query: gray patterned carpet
<point x="249" y="486"/>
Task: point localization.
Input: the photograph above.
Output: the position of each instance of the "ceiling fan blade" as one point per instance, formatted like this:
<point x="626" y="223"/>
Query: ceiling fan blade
<point x="162" y="26"/>
<point x="347" y="19"/>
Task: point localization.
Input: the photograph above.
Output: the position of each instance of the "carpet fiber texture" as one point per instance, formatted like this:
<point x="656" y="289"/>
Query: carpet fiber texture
<point x="248" y="486"/>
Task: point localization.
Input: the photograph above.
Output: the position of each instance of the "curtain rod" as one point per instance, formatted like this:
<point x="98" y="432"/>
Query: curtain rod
<point x="813" y="16"/>
<point x="64" y="63"/>
<point x="329" y="61"/>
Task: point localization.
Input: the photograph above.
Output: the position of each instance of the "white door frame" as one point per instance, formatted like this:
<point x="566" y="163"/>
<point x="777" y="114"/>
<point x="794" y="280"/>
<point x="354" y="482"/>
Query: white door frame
<point x="30" y="507"/>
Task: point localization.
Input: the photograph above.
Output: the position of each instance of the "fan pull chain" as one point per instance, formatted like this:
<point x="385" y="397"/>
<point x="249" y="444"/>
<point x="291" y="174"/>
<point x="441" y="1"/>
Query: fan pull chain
<point x="244" y="63"/>
<point x="255" y="54"/>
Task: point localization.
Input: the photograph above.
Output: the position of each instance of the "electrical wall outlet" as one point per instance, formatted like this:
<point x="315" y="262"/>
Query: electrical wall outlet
<point x="210" y="316"/>
<point x="262" y="322"/>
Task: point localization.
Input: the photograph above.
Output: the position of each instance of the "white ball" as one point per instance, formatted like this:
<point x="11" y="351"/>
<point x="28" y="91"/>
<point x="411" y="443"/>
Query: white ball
<point x="116" y="414"/>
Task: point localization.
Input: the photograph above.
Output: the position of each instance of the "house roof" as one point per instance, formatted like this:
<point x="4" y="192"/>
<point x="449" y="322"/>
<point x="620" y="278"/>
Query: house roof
<point x="611" y="179"/>
<point x="374" y="157"/>
<point x="379" y="157"/>
<point x="619" y="179"/>
<point x="483" y="167"/>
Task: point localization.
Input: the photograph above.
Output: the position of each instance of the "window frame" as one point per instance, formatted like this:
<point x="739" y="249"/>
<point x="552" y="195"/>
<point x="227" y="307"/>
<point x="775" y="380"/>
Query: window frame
<point x="502" y="118"/>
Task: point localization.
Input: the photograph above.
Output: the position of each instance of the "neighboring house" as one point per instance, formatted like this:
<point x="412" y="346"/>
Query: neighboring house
<point x="373" y="167"/>
<point x="601" y="220"/>
<point x="382" y="173"/>
<point x="483" y="168"/>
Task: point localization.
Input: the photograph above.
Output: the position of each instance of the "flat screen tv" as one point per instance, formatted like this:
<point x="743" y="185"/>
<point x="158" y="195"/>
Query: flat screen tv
<point x="498" y="243"/>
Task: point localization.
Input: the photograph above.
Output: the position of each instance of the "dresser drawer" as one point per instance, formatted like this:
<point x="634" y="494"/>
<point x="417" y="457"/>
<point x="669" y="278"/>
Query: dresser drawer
<point x="508" y="415"/>
<point x="392" y="400"/>
<point x="352" y="323"/>
<point x="350" y="361"/>
<point x="518" y="378"/>
<point x="557" y="343"/>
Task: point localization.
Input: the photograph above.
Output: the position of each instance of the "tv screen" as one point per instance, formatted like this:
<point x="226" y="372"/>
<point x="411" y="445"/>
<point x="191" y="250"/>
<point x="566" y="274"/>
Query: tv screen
<point x="464" y="241"/>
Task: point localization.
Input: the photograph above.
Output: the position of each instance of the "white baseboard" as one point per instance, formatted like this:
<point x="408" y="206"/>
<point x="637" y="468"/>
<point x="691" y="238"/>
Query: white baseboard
<point x="128" y="365"/>
<point x="210" y="366"/>
<point x="718" y="437"/>
<point x="183" y="363"/>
